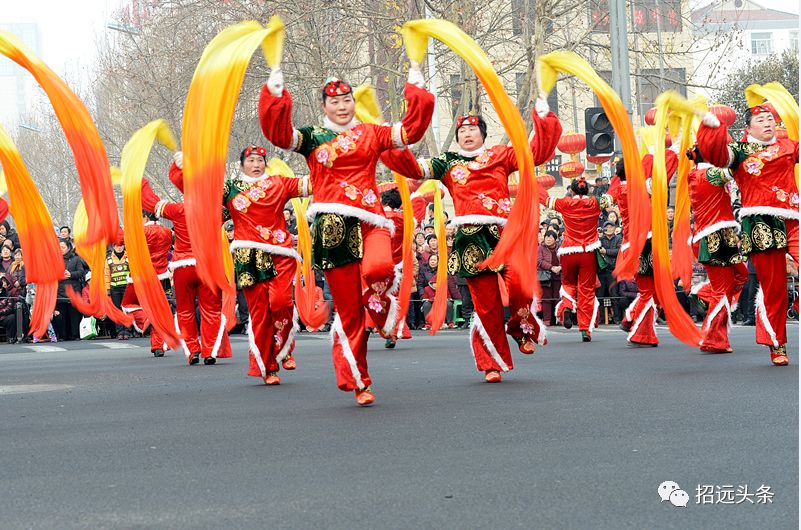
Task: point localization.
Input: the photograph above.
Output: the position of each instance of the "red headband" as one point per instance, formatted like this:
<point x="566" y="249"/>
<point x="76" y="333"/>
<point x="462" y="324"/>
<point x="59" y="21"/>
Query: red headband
<point x="469" y="119"/>
<point x="336" y="87"/>
<point x="257" y="150"/>
<point x="759" y="109"/>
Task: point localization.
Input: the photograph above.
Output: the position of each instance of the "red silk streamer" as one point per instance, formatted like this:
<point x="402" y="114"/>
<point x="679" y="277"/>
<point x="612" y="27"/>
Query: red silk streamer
<point x="91" y="161"/>
<point x="679" y="322"/>
<point x="312" y="315"/>
<point x="43" y="261"/>
<point x="145" y="280"/>
<point x="229" y="293"/>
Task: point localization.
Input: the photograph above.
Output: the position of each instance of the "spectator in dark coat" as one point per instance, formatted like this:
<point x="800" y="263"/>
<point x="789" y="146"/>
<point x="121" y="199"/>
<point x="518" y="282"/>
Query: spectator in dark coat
<point x="627" y="292"/>
<point x="6" y="232"/>
<point x="610" y="247"/>
<point x="9" y="298"/>
<point x="549" y="272"/>
<point x="67" y="319"/>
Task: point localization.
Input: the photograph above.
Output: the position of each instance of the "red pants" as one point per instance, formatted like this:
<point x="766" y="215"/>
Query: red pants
<point x="272" y="324"/>
<point x="487" y="333"/>
<point x="725" y="284"/>
<point x="213" y="340"/>
<point x="351" y="303"/>
<point x="642" y="313"/>
<point x="771" y="299"/>
<point x="130" y="304"/>
<point x="579" y="274"/>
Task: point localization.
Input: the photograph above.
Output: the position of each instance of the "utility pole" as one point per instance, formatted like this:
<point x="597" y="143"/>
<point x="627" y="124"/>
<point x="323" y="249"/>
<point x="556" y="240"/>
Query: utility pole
<point x="618" y="34"/>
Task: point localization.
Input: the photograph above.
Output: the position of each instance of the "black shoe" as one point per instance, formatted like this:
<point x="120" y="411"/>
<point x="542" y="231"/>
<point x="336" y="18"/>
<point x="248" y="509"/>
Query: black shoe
<point x="158" y="353"/>
<point x="749" y="322"/>
<point x="585" y="336"/>
<point x="567" y="319"/>
<point x="389" y="344"/>
<point x="209" y="361"/>
<point x="625" y="326"/>
<point x="194" y="358"/>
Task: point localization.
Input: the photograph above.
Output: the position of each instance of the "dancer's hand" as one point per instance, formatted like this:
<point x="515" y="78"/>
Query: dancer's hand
<point x="416" y="75"/>
<point x="275" y="83"/>
<point x="178" y="158"/>
<point x="710" y="120"/>
<point x="542" y="108"/>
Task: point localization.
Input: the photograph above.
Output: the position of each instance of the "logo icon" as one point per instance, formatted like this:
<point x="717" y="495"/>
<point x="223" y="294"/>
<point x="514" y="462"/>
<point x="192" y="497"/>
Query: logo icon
<point x="670" y="491"/>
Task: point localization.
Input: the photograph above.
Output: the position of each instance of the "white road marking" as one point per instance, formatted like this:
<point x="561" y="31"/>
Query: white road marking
<point x="43" y="348"/>
<point x="27" y="389"/>
<point x="116" y="345"/>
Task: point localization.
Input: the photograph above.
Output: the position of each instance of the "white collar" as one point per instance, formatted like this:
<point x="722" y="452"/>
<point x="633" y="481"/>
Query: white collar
<point x="328" y="124"/>
<point x="472" y="154"/>
<point x="752" y="140"/>
<point x="704" y="165"/>
<point x="251" y="180"/>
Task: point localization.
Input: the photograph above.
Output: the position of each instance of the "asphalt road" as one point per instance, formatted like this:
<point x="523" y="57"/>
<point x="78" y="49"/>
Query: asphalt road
<point x="102" y="435"/>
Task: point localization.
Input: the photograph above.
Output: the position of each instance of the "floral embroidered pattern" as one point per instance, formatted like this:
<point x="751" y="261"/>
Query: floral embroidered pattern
<point x="753" y="165"/>
<point x="251" y="194"/>
<point x="459" y="173"/>
<point x="525" y="326"/>
<point x="343" y="143"/>
<point x="374" y="302"/>
<point x="369" y="198"/>
<point x="240" y="203"/>
<point x="278" y="236"/>
<point x="279" y="327"/>
<point x="784" y="196"/>
<point x="501" y="205"/>
<point x="769" y="153"/>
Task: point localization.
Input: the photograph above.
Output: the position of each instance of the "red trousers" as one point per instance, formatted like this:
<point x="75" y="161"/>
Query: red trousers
<point x="579" y="274"/>
<point x="642" y="312"/>
<point x="352" y="303"/>
<point x="213" y="338"/>
<point x="771" y="299"/>
<point x="272" y="325"/>
<point x="487" y="333"/>
<point x="130" y="304"/>
<point x="725" y="284"/>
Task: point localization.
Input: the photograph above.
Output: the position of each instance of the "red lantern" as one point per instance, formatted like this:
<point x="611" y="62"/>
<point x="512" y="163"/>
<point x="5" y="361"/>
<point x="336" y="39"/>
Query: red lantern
<point x="781" y="134"/>
<point x="599" y="159"/>
<point x="650" y="116"/>
<point x="572" y="143"/>
<point x="724" y="113"/>
<point x="414" y="184"/>
<point x="546" y="181"/>
<point x="571" y="169"/>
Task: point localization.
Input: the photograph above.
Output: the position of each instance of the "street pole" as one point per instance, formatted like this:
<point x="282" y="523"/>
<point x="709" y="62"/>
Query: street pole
<point x="618" y="35"/>
<point x="433" y="83"/>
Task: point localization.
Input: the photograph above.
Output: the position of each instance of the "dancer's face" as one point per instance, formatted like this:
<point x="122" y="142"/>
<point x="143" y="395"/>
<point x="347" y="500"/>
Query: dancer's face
<point x="762" y="127"/>
<point x="253" y="166"/>
<point x="469" y="137"/>
<point x="340" y="109"/>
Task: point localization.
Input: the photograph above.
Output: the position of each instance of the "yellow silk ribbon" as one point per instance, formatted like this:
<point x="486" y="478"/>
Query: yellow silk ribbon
<point x="679" y="322"/>
<point x="518" y="243"/>
<point x="44" y="264"/>
<point x="91" y="161"/>
<point x="145" y="280"/>
<point x="208" y="114"/>
<point x="436" y="317"/>
<point x="639" y="222"/>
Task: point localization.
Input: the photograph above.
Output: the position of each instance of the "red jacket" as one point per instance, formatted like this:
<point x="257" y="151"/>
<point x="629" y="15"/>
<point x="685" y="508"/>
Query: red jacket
<point x="174" y="211"/>
<point x="580" y="215"/>
<point x="710" y="201"/>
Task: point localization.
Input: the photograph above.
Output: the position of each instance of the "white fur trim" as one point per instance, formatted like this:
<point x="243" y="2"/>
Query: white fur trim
<point x="166" y="275"/>
<point x="425" y="170"/>
<point x="370" y="218"/>
<point x="254" y="350"/>
<point x="397" y="135"/>
<point x="272" y="249"/>
<point x="579" y="249"/>
<point x="396" y="280"/>
<point x="625" y="246"/>
<point x="392" y="315"/>
<point x="189" y="262"/>
<point x="710" y="120"/>
<point x="293" y="145"/>
<point x="251" y="180"/>
<point x="636" y="325"/>
<point x="304" y="186"/>
<point x="220" y="333"/>
<point x="460" y="220"/>
<point x="595" y="309"/>
<point x="762" y="314"/>
<point x="770" y="210"/>
<point x="338" y="334"/>
<point x="542" y="336"/>
<point x="328" y="124"/>
<point x="289" y="339"/>
<point x="160" y="208"/>
<point x="485" y="339"/>
<point x="722" y="304"/>
<point x="703" y="165"/>
<point x="187" y="353"/>
<point x="698" y="286"/>
<point x="472" y="154"/>
<point x="550" y="202"/>
<point x="563" y="295"/>
<point x="129" y="309"/>
<point x="752" y="140"/>
<point x="711" y="229"/>
<point x="630" y="308"/>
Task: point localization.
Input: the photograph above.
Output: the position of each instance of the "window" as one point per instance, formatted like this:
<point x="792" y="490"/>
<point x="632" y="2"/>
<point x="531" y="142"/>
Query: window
<point x="794" y="41"/>
<point x="652" y="15"/>
<point x="761" y="44"/>
<point x="552" y="168"/>
<point x="599" y="16"/>
<point x="651" y="86"/>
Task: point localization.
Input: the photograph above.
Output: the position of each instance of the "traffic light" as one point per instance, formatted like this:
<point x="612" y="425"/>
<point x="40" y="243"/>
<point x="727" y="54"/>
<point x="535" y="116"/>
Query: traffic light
<point x="599" y="132"/>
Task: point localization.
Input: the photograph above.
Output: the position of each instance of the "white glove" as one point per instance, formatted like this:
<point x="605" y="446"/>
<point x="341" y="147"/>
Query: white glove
<point x="710" y="120"/>
<point x="416" y="75"/>
<point x="675" y="146"/>
<point x="542" y="108"/>
<point x="178" y="158"/>
<point x="275" y="83"/>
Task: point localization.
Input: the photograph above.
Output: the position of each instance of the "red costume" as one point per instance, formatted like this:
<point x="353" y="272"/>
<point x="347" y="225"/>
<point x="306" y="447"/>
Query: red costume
<point x="716" y="246"/>
<point x="265" y="264"/>
<point x="159" y="241"/>
<point x="478" y="184"/>
<point x="764" y="172"/>
<point x="640" y="317"/>
<point x="212" y="341"/>
<point x="579" y="258"/>
<point x="351" y="234"/>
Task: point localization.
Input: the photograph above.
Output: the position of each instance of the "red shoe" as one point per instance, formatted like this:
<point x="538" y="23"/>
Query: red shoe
<point x="778" y="356"/>
<point x="492" y="376"/>
<point x="526" y="346"/>
<point x="365" y="397"/>
<point x="272" y="379"/>
<point x="710" y="349"/>
<point x="289" y="363"/>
